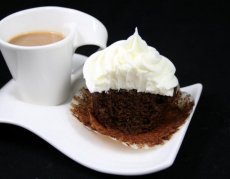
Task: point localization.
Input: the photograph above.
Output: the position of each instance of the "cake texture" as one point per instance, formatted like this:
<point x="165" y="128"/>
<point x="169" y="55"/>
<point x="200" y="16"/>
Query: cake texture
<point x="132" y="94"/>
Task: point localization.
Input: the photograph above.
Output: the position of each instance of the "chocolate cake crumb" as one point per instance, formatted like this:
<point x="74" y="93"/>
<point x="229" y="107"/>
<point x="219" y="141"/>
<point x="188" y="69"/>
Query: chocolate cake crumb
<point x="133" y="117"/>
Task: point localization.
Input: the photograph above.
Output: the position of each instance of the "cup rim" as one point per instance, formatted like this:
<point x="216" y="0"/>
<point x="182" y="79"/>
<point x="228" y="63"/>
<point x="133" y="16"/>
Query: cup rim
<point x="66" y="38"/>
<point x="36" y="47"/>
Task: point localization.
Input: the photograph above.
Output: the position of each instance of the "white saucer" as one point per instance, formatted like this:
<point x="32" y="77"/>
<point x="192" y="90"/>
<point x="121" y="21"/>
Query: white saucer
<point x="56" y="125"/>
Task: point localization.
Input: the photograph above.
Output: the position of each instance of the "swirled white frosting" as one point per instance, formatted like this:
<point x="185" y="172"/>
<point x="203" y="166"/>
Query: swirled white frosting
<point x="130" y="64"/>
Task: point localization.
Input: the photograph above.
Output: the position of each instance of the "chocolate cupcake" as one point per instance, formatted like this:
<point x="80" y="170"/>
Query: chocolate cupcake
<point x="132" y="94"/>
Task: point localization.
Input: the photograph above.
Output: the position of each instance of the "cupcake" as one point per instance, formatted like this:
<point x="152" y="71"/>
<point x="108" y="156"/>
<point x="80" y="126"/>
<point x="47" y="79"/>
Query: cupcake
<point x="132" y="94"/>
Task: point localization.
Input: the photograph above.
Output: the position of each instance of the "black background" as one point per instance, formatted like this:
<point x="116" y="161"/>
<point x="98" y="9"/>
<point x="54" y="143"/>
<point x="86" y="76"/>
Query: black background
<point x="194" y="35"/>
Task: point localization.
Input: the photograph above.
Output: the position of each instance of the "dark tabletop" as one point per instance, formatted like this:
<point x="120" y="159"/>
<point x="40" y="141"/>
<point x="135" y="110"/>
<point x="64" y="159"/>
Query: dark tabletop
<point x="194" y="36"/>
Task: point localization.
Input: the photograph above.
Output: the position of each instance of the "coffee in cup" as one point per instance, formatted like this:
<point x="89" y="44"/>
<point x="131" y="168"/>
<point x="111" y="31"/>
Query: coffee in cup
<point x="36" y="38"/>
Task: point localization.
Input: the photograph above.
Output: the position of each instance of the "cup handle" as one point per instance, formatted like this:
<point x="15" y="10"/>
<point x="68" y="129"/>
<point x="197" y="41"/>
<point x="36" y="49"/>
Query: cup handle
<point x="97" y="35"/>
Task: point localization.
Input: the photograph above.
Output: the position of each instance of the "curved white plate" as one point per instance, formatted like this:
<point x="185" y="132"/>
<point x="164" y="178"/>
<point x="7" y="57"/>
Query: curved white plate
<point x="56" y="125"/>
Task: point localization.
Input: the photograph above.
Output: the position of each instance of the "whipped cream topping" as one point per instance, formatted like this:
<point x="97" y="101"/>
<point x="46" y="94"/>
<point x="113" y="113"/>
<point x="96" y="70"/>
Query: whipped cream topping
<point x="130" y="64"/>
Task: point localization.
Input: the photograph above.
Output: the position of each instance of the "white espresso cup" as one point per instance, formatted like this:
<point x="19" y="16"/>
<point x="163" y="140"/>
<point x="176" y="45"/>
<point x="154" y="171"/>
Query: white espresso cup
<point x="43" y="73"/>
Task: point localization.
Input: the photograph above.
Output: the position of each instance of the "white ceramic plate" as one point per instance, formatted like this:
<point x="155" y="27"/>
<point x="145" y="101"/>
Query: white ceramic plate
<point x="56" y="125"/>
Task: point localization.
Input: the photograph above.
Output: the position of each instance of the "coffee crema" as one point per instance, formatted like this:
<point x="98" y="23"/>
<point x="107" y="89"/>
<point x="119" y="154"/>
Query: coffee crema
<point x="36" y="38"/>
